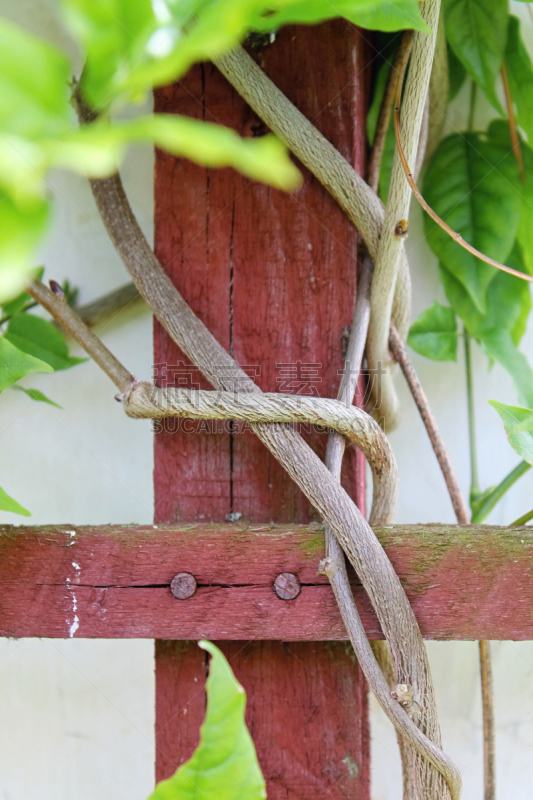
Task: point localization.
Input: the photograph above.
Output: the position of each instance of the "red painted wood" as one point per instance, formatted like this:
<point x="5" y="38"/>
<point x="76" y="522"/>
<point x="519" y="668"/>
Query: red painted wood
<point x="180" y="702"/>
<point x="297" y="734"/>
<point x="273" y="276"/>
<point x="463" y="583"/>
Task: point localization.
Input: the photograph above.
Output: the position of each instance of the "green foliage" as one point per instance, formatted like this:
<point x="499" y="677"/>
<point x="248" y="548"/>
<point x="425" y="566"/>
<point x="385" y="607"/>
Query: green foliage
<point x="28" y="345"/>
<point x="22" y="301"/>
<point x="518" y="423"/>
<point x="7" y="503"/>
<point x="476" y="31"/>
<point x="132" y="47"/>
<point x="508" y="302"/>
<point x="204" y="142"/>
<point x="383" y="15"/>
<point x="380" y="84"/>
<point x="456" y="73"/>
<point x="40" y="339"/>
<point x="33" y="86"/>
<point x="434" y="333"/>
<point x="15" y="364"/>
<point x="23" y="223"/>
<point x="35" y="394"/>
<point x="482" y="504"/>
<point x="470" y="184"/>
<point x="128" y="49"/>
<point x="525" y="226"/>
<point x="371" y="123"/>
<point x="473" y="182"/>
<point x="224" y="765"/>
<point x="520" y="74"/>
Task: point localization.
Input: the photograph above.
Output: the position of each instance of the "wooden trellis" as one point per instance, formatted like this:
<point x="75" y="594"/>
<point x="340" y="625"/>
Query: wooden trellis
<point x="273" y="277"/>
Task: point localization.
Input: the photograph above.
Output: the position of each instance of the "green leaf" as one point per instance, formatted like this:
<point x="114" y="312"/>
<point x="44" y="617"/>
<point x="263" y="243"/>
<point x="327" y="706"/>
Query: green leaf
<point x="434" y="333"/>
<point x="525" y="226"/>
<point x="518" y="423"/>
<point x="476" y="31"/>
<point x="482" y="504"/>
<point x="34" y="94"/>
<point x="41" y="339"/>
<point x="7" y="503"/>
<point x="456" y="72"/>
<point x="470" y="183"/>
<point x="21" y="300"/>
<point x="377" y="98"/>
<point x="22" y="225"/>
<point x="499" y="346"/>
<point x="133" y="46"/>
<point x="382" y="15"/>
<point x="98" y="148"/>
<point x="115" y="35"/>
<point x="224" y="765"/>
<point x="387" y="159"/>
<point x="35" y="394"/>
<point x="498" y="132"/>
<point x="15" y="364"/>
<point x="508" y="301"/>
<point x="520" y="74"/>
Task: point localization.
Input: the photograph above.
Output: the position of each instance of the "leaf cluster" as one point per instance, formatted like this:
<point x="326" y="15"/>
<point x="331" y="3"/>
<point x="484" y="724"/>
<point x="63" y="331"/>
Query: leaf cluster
<point x="476" y="184"/>
<point x="129" y="48"/>
<point x="29" y="344"/>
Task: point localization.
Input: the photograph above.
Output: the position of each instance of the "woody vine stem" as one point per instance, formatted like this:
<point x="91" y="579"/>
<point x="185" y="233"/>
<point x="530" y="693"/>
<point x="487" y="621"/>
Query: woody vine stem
<point x="380" y="323"/>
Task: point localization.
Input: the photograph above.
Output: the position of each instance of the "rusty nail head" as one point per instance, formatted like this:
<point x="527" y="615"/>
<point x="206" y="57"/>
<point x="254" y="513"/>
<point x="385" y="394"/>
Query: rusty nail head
<point x="183" y="585"/>
<point x="287" y="586"/>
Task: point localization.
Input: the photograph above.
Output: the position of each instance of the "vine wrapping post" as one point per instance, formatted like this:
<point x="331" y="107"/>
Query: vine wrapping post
<point x="142" y="400"/>
<point x="391" y="245"/>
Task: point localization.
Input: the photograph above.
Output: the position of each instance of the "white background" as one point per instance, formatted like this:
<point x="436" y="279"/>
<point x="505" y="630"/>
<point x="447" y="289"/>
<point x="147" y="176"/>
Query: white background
<point x="76" y="717"/>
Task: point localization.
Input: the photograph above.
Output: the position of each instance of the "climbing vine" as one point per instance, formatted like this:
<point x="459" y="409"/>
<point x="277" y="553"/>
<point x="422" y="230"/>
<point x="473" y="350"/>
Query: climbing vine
<point x="477" y="182"/>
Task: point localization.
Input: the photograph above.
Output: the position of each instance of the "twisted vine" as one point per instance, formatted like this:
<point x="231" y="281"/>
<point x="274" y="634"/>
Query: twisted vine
<point x="433" y="774"/>
<point x="437" y="776"/>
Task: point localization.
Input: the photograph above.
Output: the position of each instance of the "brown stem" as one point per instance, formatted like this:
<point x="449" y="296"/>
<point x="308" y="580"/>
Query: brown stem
<point x="433" y="214"/>
<point x="399" y="352"/>
<point x="515" y="139"/>
<point x="106" y="308"/>
<point x="434" y="768"/>
<point x="489" y="749"/>
<point x="356" y="537"/>
<point x="55" y="303"/>
<point x="382" y="126"/>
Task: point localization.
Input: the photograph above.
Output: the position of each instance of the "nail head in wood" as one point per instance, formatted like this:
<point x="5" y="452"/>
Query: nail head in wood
<point x="183" y="585"/>
<point x="287" y="586"/>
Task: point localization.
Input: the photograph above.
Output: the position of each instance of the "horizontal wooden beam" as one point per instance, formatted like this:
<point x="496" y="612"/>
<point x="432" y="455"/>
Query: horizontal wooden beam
<point x="114" y="582"/>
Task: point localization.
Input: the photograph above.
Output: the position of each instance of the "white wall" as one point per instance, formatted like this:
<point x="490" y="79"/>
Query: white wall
<point x="76" y="717"/>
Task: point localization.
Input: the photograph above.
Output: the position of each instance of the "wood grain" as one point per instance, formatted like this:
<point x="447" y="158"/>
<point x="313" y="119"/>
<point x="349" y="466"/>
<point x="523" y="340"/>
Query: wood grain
<point x="273" y="277"/>
<point x="464" y="583"/>
<point x="271" y="274"/>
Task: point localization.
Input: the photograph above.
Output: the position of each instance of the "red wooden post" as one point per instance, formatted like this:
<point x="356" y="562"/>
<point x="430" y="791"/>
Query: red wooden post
<point x="273" y="276"/>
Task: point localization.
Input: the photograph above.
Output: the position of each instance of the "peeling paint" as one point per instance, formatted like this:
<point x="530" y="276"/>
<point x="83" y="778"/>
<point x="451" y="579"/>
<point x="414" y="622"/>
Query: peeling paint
<point x="75" y="624"/>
